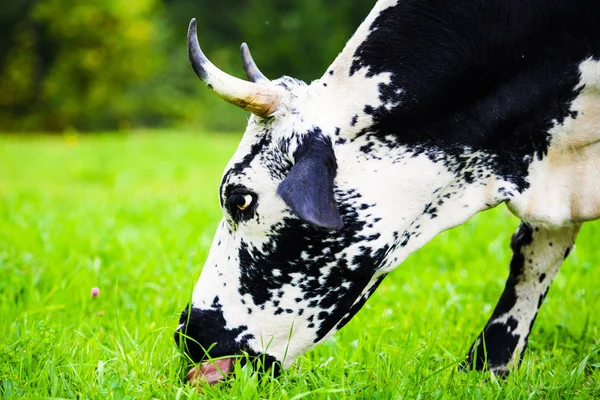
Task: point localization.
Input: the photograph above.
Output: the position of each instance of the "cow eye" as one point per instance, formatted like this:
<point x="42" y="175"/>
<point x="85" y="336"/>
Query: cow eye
<point x="241" y="201"/>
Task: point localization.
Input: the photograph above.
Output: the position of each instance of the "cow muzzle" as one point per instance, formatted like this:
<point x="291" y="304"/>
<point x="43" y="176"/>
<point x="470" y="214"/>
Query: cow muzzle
<point x="202" y="335"/>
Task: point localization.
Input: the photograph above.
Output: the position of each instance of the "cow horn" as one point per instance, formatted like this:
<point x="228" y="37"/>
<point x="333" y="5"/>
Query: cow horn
<point x="258" y="98"/>
<point x="252" y="71"/>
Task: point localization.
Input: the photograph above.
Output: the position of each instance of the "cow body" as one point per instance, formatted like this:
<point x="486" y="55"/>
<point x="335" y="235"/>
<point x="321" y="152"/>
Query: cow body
<point x="433" y="112"/>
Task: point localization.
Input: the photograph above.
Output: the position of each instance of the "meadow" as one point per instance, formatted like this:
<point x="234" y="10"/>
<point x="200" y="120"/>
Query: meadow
<point x="134" y="215"/>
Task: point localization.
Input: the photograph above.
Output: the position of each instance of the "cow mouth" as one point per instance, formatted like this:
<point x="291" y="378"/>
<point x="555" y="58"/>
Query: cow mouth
<point x="211" y="372"/>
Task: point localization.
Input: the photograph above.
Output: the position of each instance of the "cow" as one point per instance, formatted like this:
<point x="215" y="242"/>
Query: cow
<point x="433" y="112"/>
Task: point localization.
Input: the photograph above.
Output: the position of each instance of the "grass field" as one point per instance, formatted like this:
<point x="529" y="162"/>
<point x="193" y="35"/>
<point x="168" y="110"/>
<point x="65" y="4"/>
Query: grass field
<point x="134" y="215"/>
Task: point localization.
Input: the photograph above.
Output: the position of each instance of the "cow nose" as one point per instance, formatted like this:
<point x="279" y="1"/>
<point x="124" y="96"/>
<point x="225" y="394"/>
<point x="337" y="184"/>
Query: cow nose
<point x="203" y="333"/>
<point x="187" y="336"/>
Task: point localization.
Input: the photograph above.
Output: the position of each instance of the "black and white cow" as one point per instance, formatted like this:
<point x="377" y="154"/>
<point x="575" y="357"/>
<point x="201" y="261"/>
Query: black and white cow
<point x="434" y="111"/>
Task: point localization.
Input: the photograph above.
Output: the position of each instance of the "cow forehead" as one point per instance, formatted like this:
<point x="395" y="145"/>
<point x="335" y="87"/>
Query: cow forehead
<point x="257" y="161"/>
<point x="267" y="147"/>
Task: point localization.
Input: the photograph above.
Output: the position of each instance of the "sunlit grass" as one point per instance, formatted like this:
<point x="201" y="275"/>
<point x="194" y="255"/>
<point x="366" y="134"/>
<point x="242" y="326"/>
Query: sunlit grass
<point x="134" y="215"/>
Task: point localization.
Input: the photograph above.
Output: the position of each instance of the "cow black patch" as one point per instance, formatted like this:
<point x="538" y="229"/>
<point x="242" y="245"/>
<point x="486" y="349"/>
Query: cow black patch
<point x="492" y="76"/>
<point x="204" y="333"/>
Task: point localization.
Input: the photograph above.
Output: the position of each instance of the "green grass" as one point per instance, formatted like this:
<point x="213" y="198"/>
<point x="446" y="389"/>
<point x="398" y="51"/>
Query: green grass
<point x="135" y="214"/>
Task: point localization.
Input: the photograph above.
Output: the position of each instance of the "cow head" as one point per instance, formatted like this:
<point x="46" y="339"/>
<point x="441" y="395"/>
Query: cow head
<point x="316" y="211"/>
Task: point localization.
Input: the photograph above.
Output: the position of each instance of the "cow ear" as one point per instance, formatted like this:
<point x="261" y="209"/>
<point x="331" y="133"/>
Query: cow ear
<point x="308" y="188"/>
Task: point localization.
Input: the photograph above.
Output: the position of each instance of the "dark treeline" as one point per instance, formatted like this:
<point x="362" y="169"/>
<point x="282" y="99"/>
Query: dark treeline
<point x="119" y="64"/>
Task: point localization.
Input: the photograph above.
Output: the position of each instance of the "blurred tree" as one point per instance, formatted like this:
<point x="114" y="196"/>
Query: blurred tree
<point x="287" y="37"/>
<point x="80" y="64"/>
<point x="13" y="13"/>
<point x="76" y="64"/>
<point x="298" y="37"/>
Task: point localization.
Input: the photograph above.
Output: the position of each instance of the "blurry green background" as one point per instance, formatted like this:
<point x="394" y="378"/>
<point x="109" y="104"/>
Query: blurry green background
<point x="80" y="65"/>
<point x="134" y="214"/>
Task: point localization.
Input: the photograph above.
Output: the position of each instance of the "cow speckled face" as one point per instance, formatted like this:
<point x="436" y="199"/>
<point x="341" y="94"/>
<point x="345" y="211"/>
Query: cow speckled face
<point x="281" y="273"/>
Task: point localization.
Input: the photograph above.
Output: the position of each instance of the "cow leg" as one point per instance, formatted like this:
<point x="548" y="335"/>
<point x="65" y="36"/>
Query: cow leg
<point x="538" y="253"/>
